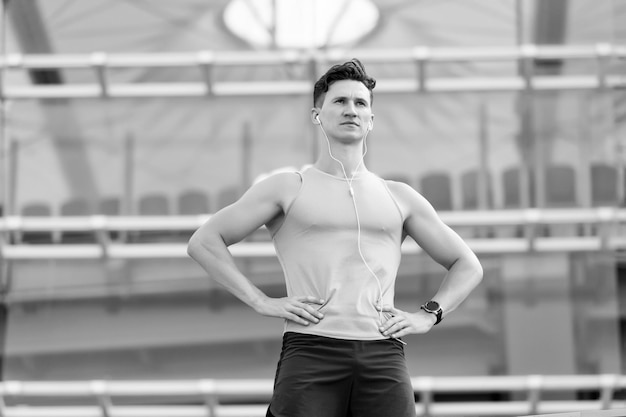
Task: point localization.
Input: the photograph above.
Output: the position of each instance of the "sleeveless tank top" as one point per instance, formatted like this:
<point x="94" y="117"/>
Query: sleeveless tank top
<point x="317" y="244"/>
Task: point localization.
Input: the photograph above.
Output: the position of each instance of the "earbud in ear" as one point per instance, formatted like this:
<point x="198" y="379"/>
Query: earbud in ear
<point x="317" y="118"/>
<point x="370" y="125"/>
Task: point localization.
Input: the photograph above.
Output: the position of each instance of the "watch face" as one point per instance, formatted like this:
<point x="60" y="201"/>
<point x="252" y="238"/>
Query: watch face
<point x="432" y="305"/>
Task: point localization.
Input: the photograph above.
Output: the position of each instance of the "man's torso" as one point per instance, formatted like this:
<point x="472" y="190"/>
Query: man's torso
<point x="329" y="250"/>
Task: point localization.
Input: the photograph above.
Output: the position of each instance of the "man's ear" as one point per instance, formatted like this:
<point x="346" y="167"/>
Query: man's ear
<point x="315" y="116"/>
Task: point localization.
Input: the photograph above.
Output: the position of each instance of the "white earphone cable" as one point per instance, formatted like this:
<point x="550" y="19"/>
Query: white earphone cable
<point x="356" y="212"/>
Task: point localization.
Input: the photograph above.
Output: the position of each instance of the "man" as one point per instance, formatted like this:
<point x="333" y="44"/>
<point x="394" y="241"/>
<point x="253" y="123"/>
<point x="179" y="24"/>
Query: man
<point x="337" y="229"/>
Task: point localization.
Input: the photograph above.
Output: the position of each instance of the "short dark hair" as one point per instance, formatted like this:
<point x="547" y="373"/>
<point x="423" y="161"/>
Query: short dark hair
<point x="351" y="70"/>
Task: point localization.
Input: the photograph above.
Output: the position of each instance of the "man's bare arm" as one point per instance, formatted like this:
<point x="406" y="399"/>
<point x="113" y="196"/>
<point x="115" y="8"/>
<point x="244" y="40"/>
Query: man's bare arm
<point x="209" y="247"/>
<point x="446" y="247"/>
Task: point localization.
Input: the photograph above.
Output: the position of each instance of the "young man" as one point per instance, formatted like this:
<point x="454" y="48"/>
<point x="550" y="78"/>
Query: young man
<point x="337" y="229"/>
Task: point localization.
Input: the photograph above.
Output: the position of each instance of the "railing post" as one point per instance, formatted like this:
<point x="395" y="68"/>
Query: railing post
<point x="604" y="52"/>
<point x="99" y="61"/>
<point x="421" y="54"/>
<point x="531" y="219"/>
<point x="528" y="54"/>
<point x="99" y="226"/>
<point x="534" y="384"/>
<point x="205" y="61"/>
<point x="424" y="386"/>
<point x="606" y="221"/>
<point x="208" y="388"/>
<point x="607" y="387"/>
<point x="2" y="402"/>
<point x="99" y="389"/>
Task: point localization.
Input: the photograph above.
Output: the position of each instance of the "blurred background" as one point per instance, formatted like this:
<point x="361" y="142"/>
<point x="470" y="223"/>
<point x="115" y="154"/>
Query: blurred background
<point x="126" y="123"/>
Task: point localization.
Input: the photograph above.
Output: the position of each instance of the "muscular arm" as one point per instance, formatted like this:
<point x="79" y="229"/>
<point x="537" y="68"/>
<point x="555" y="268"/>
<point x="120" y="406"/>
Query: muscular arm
<point x="440" y="242"/>
<point x="208" y="246"/>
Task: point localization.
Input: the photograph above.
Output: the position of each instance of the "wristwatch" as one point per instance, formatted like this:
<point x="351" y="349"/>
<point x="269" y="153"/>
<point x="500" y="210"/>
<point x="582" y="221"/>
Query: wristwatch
<point x="433" y="307"/>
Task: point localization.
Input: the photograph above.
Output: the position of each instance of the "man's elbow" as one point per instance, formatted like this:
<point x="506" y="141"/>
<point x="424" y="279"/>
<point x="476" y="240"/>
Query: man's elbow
<point x="477" y="271"/>
<point x="194" y="245"/>
<point x="191" y="247"/>
<point x="204" y="241"/>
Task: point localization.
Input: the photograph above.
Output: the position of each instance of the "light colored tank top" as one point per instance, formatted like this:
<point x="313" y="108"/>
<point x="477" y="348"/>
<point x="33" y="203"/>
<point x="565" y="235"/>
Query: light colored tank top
<point x="317" y="245"/>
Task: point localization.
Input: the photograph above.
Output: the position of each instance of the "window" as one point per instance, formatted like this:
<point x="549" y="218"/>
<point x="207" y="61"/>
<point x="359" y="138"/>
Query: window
<point x="302" y="24"/>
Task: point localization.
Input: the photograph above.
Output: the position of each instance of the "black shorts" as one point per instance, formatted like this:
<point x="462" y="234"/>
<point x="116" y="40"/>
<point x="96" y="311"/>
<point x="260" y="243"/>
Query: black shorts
<point x="325" y="377"/>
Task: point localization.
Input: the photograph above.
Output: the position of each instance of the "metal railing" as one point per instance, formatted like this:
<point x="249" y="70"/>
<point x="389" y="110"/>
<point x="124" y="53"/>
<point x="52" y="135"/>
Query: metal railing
<point x="249" y="398"/>
<point x="607" y="224"/>
<point x="601" y="56"/>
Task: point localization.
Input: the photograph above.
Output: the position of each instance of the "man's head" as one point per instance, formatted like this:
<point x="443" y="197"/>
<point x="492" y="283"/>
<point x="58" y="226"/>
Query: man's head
<point x="351" y="70"/>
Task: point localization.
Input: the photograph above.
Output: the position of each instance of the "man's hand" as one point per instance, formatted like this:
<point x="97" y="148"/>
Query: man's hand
<point x="398" y="323"/>
<point x="302" y="310"/>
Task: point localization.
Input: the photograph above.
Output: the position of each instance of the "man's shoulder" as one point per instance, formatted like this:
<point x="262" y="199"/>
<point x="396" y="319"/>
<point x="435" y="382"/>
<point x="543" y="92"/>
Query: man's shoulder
<point x="399" y="186"/>
<point x="407" y="194"/>
<point x="279" y="185"/>
<point x="283" y="179"/>
<point x="283" y="174"/>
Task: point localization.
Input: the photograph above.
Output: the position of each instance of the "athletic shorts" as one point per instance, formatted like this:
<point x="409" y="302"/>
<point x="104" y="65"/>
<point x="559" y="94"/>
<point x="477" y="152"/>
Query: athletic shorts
<point x="325" y="377"/>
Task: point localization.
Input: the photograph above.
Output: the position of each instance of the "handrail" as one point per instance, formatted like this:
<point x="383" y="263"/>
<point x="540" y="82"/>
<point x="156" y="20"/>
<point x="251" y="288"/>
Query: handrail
<point x="602" y="238"/>
<point x="271" y="88"/>
<point x="521" y="217"/>
<point x="266" y="249"/>
<point x="263" y="58"/>
<point x="249" y="397"/>
<point x="420" y="56"/>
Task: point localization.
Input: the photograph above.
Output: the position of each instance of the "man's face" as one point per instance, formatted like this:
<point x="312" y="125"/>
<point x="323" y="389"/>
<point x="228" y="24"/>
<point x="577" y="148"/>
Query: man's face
<point x="346" y="111"/>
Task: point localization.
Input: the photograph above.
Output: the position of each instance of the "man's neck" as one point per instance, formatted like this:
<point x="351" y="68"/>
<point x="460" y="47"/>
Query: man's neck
<point x="352" y="164"/>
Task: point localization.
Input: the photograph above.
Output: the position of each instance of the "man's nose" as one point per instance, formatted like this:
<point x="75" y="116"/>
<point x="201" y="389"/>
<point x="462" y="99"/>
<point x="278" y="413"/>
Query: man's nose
<point x="350" y="109"/>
